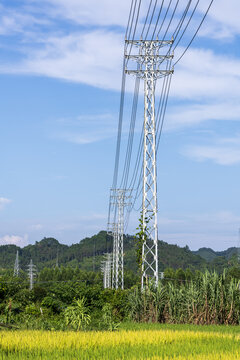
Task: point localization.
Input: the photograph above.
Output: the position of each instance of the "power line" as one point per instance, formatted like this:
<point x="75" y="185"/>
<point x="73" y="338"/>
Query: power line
<point x="185" y="29"/>
<point x="145" y="23"/>
<point x="195" y="34"/>
<point x="158" y="18"/>
<point x="149" y="25"/>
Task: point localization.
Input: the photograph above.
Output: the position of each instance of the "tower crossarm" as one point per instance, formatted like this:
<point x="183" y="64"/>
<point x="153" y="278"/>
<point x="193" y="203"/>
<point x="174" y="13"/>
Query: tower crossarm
<point x="149" y="74"/>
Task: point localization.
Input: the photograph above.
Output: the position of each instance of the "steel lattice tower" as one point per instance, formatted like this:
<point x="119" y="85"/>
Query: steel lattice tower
<point x="150" y="69"/>
<point x="106" y="270"/>
<point x="120" y="231"/>
<point x="16" y="265"/>
<point x="238" y="248"/>
<point x="114" y="255"/>
<point x="119" y="200"/>
<point x="31" y="274"/>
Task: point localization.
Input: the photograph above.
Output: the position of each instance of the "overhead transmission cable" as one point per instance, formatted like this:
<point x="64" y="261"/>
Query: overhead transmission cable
<point x="170" y="2"/>
<point x="196" y="32"/>
<point x="185" y="29"/>
<point x="158" y="18"/>
<point x="132" y="31"/>
<point x="150" y="23"/>
<point x="134" y="111"/>
<point x="145" y="38"/>
<point x="130" y="26"/>
<point x="145" y="23"/>
<point x="177" y="37"/>
<point x="170" y="22"/>
<point x="122" y="98"/>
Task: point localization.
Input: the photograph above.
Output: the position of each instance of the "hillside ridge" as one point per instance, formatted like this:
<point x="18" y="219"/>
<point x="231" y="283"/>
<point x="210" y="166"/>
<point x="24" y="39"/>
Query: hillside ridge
<point x="89" y="252"/>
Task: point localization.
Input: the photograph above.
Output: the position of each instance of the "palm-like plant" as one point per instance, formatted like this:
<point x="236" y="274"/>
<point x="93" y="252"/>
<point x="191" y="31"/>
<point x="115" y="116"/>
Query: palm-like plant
<point x="77" y="315"/>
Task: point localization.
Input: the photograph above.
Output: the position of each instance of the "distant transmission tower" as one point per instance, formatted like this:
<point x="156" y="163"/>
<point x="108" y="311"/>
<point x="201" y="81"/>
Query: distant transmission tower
<point x="238" y="248"/>
<point x="150" y="69"/>
<point x="120" y="202"/>
<point x="16" y="265"/>
<point x="57" y="264"/>
<point x="31" y="274"/>
<point x="114" y="255"/>
<point x="106" y="270"/>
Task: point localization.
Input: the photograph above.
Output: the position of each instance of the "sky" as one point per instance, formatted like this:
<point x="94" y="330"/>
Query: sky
<point x="60" y="77"/>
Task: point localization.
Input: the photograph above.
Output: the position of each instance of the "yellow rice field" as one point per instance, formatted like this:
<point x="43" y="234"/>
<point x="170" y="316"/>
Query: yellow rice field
<point x="124" y="344"/>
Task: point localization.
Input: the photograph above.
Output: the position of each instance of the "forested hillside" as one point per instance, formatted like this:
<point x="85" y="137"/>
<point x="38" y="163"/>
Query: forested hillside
<point x="89" y="252"/>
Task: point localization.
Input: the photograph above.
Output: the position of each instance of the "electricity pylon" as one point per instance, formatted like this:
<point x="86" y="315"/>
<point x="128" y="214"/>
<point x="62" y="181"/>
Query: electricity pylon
<point x="57" y="264"/>
<point x="106" y="270"/>
<point x="119" y="199"/>
<point x="115" y="255"/>
<point x="16" y="265"/>
<point x="150" y="69"/>
<point x="31" y="274"/>
<point x="238" y="248"/>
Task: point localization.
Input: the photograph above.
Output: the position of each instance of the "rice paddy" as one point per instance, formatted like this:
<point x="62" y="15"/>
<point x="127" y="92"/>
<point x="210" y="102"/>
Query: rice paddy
<point x="141" y="342"/>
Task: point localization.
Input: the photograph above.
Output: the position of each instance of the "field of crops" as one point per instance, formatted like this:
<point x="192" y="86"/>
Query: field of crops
<point x="156" y="342"/>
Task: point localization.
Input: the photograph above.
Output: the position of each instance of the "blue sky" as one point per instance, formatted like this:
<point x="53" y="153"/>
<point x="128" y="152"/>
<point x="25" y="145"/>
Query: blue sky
<point x="60" y="74"/>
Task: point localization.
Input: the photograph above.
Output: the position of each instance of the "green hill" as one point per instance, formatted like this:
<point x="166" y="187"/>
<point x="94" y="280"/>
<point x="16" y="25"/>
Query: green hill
<point x="89" y="252"/>
<point x="210" y="255"/>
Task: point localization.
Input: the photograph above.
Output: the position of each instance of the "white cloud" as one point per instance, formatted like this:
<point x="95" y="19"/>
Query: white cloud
<point x="91" y="12"/>
<point x="219" y="155"/>
<point x="223" y="19"/>
<point x="204" y="75"/>
<point x="36" y="227"/>
<point x="80" y="139"/>
<point x="85" y="129"/>
<point x="224" y="151"/>
<point x="217" y="230"/>
<point x="17" y="21"/>
<point x="14" y="240"/>
<point x="4" y="202"/>
<point x="189" y="114"/>
<point x="78" y="57"/>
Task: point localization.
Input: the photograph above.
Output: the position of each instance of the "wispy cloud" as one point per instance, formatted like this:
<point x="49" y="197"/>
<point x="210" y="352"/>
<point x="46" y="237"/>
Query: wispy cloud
<point x="217" y="230"/>
<point x="190" y="114"/>
<point x="223" y="151"/>
<point x="4" y="202"/>
<point x="36" y="227"/>
<point x="78" y="57"/>
<point x="223" y="19"/>
<point x="85" y="129"/>
<point x="14" y="240"/>
<point x="13" y="21"/>
<point x="91" y="12"/>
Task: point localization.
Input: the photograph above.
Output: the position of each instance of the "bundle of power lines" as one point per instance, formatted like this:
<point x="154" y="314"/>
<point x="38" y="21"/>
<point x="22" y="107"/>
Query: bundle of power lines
<point x="171" y="22"/>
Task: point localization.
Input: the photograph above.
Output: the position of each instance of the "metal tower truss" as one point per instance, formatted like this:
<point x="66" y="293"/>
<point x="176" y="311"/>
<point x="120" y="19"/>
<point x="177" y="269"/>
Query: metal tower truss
<point x="238" y="248"/>
<point x="114" y="254"/>
<point x="106" y="270"/>
<point x="16" y="265"/>
<point x="151" y="67"/>
<point x="119" y="200"/>
<point x="31" y="274"/>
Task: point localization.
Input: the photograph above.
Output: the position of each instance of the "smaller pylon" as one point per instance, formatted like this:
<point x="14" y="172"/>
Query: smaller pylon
<point x="109" y="270"/>
<point x="106" y="270"/>
<point x="238" y="248"/>
<point x="57" y="265"/>
<point x="120" y="201"/>
<point x="31" y="274"/>
<point x="16" y="265"/>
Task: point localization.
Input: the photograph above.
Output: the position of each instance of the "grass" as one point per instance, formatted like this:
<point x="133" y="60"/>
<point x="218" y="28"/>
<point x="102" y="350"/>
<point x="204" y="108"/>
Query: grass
<point x="133" y="341"/>
<point x="176" y="327"/>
